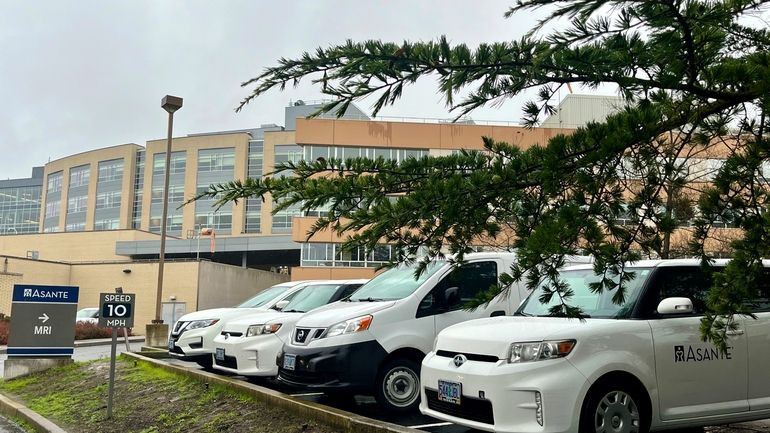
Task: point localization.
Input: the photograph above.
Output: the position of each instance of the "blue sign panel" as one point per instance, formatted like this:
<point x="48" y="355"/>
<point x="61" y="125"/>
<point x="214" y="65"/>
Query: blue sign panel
<point x="42" y="321"/>
<point x="57" y="294"/>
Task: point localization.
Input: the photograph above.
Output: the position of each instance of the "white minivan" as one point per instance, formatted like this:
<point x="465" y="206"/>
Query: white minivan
<point x="633" y="367"/>
<point x="373" y="342"/>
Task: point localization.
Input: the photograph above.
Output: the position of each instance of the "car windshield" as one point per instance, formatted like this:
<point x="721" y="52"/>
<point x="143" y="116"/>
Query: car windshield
<point x="311" y="297"/>
<point x="264" y="297"/>
<point x="591" y="304"/>
<point x="87" y="313"/>
<point x="396" y="283"/>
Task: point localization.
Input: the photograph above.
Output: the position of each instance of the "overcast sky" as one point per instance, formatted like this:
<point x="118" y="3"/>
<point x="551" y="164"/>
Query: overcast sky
<point x="81" y="75"/>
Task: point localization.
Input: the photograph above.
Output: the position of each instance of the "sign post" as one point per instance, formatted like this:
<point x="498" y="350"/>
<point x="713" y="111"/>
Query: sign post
<point x="42" y="321"/>
<point x="116" y="310"/>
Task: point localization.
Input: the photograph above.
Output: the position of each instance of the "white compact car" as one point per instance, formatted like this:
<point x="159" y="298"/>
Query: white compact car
<point x="192" y="335"/>
<point x="373" y="343"/>
<point x="249" y="344"/>
<point x="633" y="367"/>
<point x="90" y="315"/>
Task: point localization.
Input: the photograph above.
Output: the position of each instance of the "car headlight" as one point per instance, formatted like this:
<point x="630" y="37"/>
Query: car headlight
<point x="270" y="328"/>
<point x="350" y="326"/>
<point x="197" y="324"/>
<point x="539" y="350"/>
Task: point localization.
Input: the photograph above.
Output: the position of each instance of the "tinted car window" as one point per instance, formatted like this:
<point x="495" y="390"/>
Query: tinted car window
<point x="685" y="282"/>
<point x="470" y="279"/>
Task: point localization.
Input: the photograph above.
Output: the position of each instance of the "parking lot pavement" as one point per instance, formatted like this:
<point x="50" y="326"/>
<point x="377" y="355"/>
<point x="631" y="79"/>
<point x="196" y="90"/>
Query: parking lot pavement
<point x="7" y="426"/>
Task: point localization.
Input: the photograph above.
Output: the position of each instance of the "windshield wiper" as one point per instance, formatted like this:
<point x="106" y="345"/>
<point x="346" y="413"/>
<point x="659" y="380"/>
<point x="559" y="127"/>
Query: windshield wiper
<point x="292" y="311"/>
<point x="521" y="313"/>
<point x="369" y="299"/>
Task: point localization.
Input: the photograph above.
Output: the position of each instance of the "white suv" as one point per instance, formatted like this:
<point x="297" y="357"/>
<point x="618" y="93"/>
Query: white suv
<point x="249" y="344"/>
<point x="192" y="335"/>
<point x="632" y="367"/>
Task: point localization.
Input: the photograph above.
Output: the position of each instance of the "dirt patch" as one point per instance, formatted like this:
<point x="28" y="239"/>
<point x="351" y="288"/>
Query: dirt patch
<point x="148" y="400"/>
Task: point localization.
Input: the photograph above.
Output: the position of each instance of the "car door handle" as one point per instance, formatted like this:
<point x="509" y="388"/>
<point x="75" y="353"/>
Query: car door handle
<point x="734" y="332"/>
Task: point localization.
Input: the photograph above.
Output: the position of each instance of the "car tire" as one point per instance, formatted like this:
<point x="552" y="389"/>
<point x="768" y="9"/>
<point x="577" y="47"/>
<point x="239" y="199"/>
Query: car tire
<point x="611" y="407"/>
<point x="398" y="385"/>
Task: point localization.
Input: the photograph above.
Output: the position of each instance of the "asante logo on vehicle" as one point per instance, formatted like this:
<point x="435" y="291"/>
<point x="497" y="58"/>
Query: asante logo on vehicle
<point x="697" y="354"/>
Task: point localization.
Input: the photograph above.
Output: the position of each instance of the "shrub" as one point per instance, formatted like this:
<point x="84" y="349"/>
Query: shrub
<point x="5" y="326"/>
<point x="88" y="330"/>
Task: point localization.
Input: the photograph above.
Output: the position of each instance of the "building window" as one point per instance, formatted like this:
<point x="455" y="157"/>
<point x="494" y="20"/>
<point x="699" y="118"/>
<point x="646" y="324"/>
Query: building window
<point x="79" y="176"/>
<point x="108" y="200"/>
<point x="54" y="182"/>
<point x="110" y="170"/>
<point x="327" y="254"/>
<point x="216" y="160"/>
<point x="77" y="204"/>
<point x="107" y="224"/>
<point x="173" y="224"/>
<point x="75" y="227"/>
<point x="216" y="221"/>
<point x="52" y="209"/>
<point x="178" y="163"/>
<point x="20" y="209"/>
<point x="175" y="194"/>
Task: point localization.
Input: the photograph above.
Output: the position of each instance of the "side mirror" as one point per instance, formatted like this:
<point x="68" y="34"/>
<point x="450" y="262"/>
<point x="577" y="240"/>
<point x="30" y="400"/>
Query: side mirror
<point x="280" y="305"/>
<point x="451" y="296"/>
<point x="670" y="306"/>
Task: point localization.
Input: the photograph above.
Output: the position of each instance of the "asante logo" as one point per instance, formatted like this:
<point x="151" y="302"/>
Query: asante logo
<point x="697" y="354"/>
<point x="27" y="293"/>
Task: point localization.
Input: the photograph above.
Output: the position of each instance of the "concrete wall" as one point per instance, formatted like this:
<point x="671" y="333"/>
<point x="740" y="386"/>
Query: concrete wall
<point x="416" y="135"/>
<point x="16" y="270"/>
<point x="224" y="286"/>
<point x="199" y="285"/>
<point x="72" y="246"/>
<point x="325" y="273"/>
<point x="180" y="279"/>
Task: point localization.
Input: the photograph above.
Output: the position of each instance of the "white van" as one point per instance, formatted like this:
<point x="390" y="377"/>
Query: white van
<point x="192" y="335"/>
<point x="633" y="367"/>
<point x="374" y="342"/>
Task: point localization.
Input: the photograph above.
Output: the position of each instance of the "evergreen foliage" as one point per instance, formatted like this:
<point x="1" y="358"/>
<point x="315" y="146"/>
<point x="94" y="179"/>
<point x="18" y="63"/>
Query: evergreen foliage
<point x="696" y="76"/>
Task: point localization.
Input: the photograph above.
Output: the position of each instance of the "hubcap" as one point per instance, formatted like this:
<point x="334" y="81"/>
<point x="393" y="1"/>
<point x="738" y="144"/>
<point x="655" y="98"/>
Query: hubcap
<point x="617" y="413"/>
<point x="401" y="386"/>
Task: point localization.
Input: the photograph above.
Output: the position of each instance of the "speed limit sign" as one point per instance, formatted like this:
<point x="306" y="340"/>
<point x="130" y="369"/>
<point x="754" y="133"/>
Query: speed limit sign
<point x="116" y="310"/>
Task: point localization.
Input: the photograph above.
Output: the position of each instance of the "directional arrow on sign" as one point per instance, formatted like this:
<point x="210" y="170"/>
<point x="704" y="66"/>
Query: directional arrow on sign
<point x="44" y="317"/>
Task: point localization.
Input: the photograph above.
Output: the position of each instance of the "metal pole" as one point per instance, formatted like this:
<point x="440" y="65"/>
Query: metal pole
<point x="198" y="235"/>
<point x="111" y="391"/>
<point x="162" y="257"/>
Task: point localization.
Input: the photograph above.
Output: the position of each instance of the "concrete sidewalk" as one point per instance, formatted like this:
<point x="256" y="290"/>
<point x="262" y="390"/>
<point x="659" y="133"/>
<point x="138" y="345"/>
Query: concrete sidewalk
<point x="94" y="342"/>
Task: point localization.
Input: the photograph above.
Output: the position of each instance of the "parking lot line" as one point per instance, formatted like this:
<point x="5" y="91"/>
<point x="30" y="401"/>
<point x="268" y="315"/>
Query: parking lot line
<point x="438" y="424"/>
<point x="307" y="394"/>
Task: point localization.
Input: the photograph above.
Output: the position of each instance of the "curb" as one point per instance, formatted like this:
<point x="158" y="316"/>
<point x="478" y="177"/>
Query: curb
<point x="344" y="421"/>
<point x="93" y="342"/>
<point x="14" y="409"/>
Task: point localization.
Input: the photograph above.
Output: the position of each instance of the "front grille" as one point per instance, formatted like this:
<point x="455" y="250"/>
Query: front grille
<point x="228" y="362"/>
<point x="178" y="326"/>
<point x="470" y="356"/>
<point x="472" y="409"/>
<point x="301" y="334"/>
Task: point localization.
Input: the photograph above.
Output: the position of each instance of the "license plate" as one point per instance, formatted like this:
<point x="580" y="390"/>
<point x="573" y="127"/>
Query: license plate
<point x="220" y="354"/>
<point x="449" y="392"/>
<point x="170" y="344"/>
<point x="289" y="361"/>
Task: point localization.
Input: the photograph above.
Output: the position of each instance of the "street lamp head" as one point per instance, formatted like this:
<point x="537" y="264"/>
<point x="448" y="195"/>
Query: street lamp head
<point x="171" y="103"/>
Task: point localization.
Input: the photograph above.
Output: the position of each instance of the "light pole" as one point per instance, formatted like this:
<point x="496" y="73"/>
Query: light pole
<point x="170" y="104"/>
